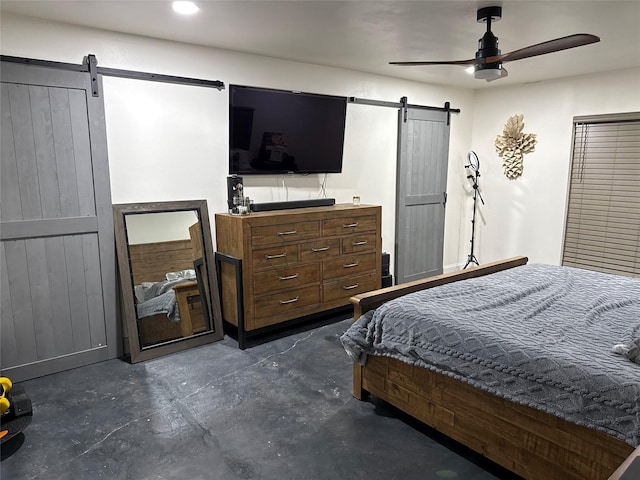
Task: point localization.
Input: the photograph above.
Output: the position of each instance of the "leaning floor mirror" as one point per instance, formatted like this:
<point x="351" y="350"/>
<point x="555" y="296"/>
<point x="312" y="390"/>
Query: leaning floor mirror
<point x="168" y="280"/>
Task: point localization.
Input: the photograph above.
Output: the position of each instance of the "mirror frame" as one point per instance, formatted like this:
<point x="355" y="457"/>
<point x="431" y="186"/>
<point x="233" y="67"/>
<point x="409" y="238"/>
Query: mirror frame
<point x="138" y="354"/>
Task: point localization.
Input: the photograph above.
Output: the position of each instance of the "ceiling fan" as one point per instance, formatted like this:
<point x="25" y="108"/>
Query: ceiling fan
<point x="488" y="62"/>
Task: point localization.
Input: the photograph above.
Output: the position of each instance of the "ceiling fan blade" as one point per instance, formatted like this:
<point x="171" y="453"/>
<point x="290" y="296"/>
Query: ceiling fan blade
<point x="556" y="45"/>
<point x="472" y="61"/>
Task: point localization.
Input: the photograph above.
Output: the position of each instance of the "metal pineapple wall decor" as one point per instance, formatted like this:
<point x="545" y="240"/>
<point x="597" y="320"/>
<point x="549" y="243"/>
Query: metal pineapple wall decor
<point x="513" y="144"/>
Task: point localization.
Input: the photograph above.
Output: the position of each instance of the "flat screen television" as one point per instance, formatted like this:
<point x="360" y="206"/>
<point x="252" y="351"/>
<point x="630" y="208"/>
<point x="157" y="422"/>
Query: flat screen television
<point x="279" y="131"/>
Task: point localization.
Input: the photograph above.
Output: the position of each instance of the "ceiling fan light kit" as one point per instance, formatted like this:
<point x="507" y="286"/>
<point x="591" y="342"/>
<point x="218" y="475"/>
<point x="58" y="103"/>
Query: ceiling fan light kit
<point x="488" y="72"/>
<point x="488" y="61"/>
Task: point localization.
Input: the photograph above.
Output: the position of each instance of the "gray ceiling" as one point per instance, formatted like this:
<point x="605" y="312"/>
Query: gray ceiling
<point x="366" y="35"/>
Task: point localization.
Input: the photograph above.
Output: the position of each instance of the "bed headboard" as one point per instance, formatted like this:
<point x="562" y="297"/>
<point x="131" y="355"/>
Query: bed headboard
<point x="371" y="300"/>
<point x="151" y="261"/>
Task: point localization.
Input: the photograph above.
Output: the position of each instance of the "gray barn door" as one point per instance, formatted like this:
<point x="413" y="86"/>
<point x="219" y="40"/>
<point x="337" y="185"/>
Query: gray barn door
<point x="423" y="149"/>
<point x="57" y="272"/>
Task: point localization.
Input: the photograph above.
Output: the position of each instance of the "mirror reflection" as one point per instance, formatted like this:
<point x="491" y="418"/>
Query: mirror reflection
<point x="167" y="275"/>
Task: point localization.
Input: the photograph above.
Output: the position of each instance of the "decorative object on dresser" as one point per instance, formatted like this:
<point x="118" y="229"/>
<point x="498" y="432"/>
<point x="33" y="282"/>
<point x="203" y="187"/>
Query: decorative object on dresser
<point x="169" y="285"/>
<point x="278" y="268"/>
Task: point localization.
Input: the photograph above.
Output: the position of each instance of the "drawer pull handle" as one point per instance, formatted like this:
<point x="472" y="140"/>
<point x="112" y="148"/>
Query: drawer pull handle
<point x="350" y="225"/>
<point x="271" y="257"/>
<point x="357" y="244"/>
<point x="290" y="277"/>
<point x="350" y="265"/>
<point x="351" y="287"/>
<point x="290" y="232"/>
<point x="284" y="302"/>
<point x="323" y="249"/>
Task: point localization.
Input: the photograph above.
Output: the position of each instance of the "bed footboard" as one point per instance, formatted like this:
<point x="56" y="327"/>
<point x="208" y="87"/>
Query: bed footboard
<point x="529" y="442"/>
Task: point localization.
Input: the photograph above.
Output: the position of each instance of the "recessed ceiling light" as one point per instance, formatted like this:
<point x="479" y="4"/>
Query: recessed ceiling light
<point x="185" y="8"/>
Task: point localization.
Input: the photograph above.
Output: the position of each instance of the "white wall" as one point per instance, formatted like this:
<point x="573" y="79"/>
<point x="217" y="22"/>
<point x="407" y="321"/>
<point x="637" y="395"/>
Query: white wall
<point x="159" y="227"/>
<point x="526" y="216"/>
<point x="170" y="142"/>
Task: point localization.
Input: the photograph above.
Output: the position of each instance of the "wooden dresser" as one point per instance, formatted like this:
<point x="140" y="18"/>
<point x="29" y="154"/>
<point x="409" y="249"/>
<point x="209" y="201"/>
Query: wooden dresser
<point x="296" y="262"/>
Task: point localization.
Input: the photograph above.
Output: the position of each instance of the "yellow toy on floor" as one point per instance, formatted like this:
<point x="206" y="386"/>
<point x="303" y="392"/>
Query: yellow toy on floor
<point x="6" y="385"/>
<point x="15" y="409"/>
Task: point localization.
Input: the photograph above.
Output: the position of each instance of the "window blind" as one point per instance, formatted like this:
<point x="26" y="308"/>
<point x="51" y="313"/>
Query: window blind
<point x="602" y="231"/>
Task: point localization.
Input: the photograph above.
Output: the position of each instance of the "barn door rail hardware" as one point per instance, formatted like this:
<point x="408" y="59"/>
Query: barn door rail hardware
<point x="90" y="65"/>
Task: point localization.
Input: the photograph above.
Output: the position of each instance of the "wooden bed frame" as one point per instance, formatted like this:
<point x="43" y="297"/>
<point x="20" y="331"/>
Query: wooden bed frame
<point x="149" y="263"/>
<point x="529" y="442"/>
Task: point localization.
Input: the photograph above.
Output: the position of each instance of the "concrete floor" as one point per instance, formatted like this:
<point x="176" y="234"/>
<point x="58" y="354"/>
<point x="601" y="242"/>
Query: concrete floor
<point x="281" y="410"/>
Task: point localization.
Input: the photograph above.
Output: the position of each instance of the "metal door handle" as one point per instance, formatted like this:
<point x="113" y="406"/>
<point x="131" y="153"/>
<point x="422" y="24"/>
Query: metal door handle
<point x="291" y="232"/>
<point x="270" y="257"/>
<point x="351" y="287"/>
<point x="350" y="225"/>
<point x="357" y="244"/>
<point x="290" y="277"/>
<point x="349" y="265"/>
<point x="284" y="302"/>
<point x="323" y="249"/>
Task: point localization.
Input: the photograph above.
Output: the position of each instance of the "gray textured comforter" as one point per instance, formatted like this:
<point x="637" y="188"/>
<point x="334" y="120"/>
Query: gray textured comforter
<point x="160" y="297"/>
<point x="539" y="335"/>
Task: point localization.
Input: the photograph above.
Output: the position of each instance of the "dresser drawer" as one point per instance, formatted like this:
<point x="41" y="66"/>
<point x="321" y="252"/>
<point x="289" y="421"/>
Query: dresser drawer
<point x="286" y="278"/>
<point x="319" y="249"/>
<point x="284" y="233"/>
<point x="348" y="265"/>
<point x="349" y="225"/>
<point x="281" y="306"/>
<point x="347" y="287"/>
<point x="274" y="256"/>
<point x="359" y="243"/>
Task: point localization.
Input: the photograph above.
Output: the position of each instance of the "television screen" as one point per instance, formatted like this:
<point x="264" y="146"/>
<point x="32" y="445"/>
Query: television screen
<point x="277" y="131"/>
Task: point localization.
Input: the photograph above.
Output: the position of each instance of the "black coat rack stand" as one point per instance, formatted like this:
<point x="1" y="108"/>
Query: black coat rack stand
<point x="476" y="194"/>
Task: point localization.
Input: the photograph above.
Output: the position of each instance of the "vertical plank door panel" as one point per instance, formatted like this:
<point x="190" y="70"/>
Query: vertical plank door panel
<point x="25" y="152"/>
<point x="43" y="137"/>
<point x="8" y="352"/>
<point x="21" y="312"/>
<point x="10" y="205"/>
<point x="43" y="325"/>
<point x="60" y="305"/>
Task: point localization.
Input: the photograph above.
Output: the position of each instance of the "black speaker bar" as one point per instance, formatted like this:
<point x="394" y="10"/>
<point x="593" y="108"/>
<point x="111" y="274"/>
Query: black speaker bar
<point x="318" y="202"/>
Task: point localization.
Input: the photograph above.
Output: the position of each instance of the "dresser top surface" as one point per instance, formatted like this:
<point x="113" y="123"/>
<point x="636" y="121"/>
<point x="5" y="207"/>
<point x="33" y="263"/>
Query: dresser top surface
<point x="338" y="207"/>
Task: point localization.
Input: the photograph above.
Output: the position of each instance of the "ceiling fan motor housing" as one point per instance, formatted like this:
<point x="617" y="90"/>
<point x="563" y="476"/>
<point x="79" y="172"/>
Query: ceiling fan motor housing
<point x="488" y="45"/>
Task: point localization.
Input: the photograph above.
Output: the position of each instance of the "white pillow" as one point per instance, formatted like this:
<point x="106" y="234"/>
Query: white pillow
<point x="189" y="273"/>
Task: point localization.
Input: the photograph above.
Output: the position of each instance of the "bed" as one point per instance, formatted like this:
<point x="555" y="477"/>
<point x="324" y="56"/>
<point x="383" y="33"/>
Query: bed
<point x="530" y="411"/>
<point x="167" y="291"/>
